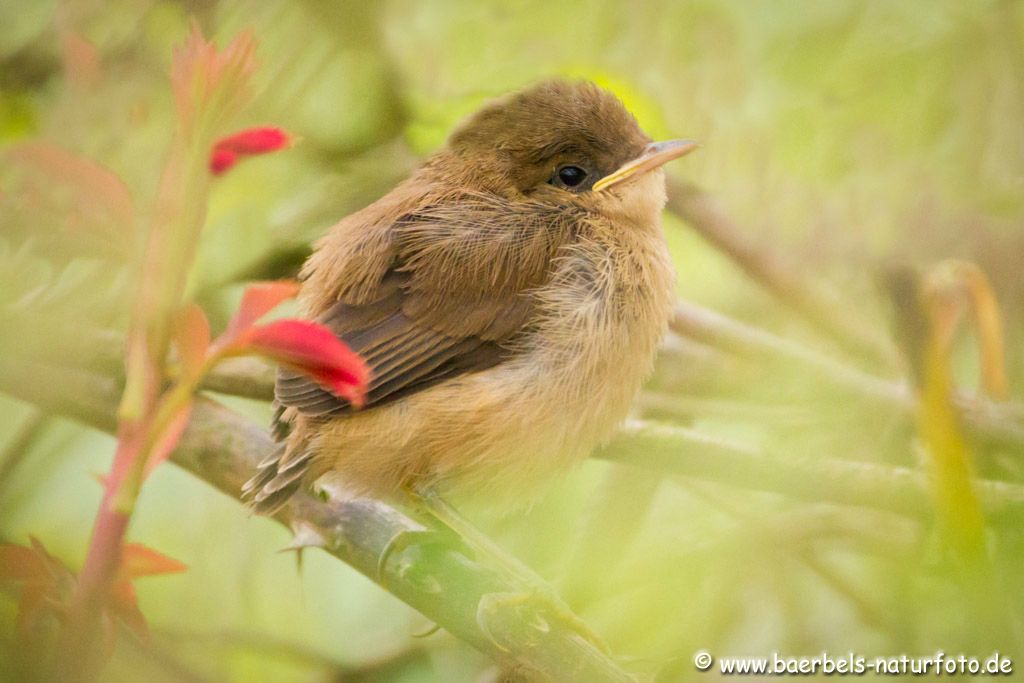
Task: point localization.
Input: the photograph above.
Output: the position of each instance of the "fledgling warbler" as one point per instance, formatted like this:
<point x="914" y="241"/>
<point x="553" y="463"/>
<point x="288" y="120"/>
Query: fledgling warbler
<point x="508" y="298"/>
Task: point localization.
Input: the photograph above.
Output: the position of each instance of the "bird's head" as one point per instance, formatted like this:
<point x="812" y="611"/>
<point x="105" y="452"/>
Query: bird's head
<point x="564" y="143"/>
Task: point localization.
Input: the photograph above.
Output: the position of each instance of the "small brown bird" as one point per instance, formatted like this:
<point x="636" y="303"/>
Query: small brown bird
<point x="509" y="298"/>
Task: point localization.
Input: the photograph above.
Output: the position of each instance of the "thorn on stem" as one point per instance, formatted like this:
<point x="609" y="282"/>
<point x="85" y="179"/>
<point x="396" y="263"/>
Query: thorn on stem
<point x="306" y="535"/>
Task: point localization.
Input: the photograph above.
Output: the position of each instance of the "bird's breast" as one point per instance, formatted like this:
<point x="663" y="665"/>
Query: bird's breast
<point x="603" y="314"/>
<point x="599" y="324"/>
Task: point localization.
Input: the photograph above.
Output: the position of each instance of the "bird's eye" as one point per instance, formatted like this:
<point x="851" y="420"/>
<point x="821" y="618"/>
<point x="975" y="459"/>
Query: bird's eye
<point x="569" y="176"/>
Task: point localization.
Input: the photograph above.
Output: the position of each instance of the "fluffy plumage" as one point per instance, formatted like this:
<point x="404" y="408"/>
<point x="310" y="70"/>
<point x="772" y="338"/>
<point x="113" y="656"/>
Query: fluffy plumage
<point x="508" y="322"/>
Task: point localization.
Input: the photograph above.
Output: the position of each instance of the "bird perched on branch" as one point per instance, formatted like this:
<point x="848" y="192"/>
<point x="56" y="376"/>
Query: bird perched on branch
<point x="508" y="299"/>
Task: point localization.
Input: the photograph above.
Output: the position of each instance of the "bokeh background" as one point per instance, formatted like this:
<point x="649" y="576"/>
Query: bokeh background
<point x="838" y="138"/>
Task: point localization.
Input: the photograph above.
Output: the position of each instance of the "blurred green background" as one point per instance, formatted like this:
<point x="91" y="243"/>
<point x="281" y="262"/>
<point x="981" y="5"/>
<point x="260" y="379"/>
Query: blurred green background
<point x="841" y="136"/>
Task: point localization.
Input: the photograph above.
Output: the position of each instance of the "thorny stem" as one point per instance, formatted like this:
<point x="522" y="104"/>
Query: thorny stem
<point x="173" y="401"/>
<point x="79" y="659"/>
<point x="136" y="444"/>
<point x="143" y="416"/>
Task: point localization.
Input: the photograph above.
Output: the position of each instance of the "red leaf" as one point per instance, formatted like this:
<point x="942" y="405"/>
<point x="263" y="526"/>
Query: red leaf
<point x="191" y="333"/>
<point x="41" y="576"/>
<point x="34" y="597"/>
<point x="211" y="81"/>
<point x="124" y="605"/>
<point x="99" y="201"/>
<point x="80" y="58"/>
<point x="254" y="141"/>
<point x="138" y="560"/>
<point x="55" y="569"/>
<point x="228" y="150"/>
<point x="18" y="563"/>
<point x="221" y="160"/>
<point x="258" y="300"/>
<point x="169" y="439"/>
<point x="312" y="349"/>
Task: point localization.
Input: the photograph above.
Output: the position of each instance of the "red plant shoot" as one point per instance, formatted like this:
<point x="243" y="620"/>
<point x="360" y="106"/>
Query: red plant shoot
<point x="228" y="150"/>
<point x="221" y="160"/>
<point x="43" y="581"/>
<point x="312" y="349"/>
<point x="210" y="86"/>
<point x="259" y="299"/>
<point x="169" y="351"/>
<point x="302" y="345"/>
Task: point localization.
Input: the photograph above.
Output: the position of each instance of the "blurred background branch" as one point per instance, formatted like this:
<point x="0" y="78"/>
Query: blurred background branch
<point x="828" y="314"/>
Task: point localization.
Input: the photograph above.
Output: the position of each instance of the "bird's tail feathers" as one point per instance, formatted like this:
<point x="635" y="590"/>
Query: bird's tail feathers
<point x="277" y="479"/>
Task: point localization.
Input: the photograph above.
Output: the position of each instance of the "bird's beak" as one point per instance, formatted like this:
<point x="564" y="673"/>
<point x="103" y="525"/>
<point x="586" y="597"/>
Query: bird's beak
<point x="654" y="155"/>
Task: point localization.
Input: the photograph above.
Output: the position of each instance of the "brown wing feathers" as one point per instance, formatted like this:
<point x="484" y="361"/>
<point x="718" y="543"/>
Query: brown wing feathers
<point x="421" y="325"/>
<point x="401" y="353"/>
<point x="412" y="322"/>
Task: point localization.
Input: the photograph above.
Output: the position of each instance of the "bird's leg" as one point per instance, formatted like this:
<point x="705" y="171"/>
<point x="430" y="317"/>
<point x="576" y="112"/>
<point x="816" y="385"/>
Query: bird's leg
<point x="538" y="592"/>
